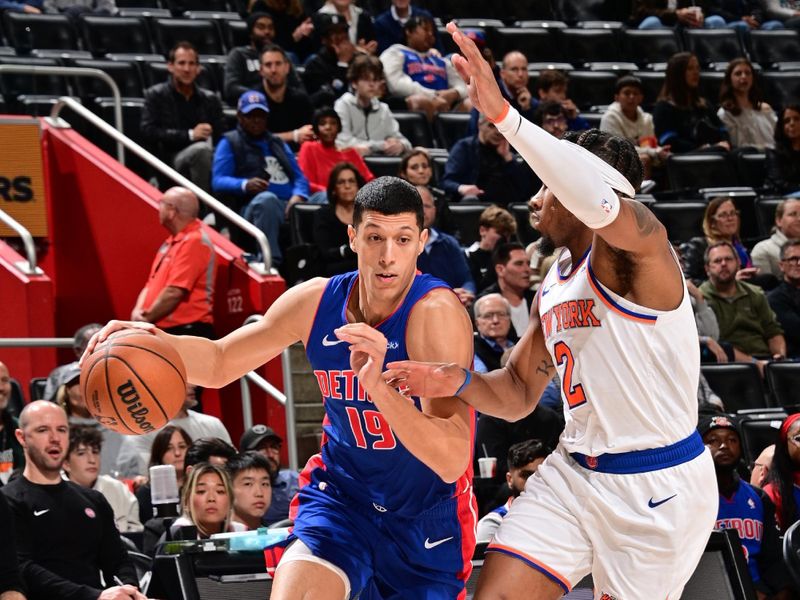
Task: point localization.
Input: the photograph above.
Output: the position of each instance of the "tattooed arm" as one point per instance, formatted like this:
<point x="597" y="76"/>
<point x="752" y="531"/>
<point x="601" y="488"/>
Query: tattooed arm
<point x="636" y="229"/>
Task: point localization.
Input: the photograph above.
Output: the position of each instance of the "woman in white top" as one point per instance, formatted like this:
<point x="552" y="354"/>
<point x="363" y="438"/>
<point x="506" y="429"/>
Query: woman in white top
<point x="750" y="120"/>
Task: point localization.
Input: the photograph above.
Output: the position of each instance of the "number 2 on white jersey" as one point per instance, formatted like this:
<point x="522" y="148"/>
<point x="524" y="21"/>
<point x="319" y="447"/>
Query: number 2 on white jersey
<point x="573" y="392"/>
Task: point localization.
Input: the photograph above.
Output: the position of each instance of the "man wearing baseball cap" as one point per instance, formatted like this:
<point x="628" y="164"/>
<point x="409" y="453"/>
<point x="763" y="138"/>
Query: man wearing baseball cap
<point x="263" y="439"/>
<point x="258" y="171"/>
<point x="743" y="507"/>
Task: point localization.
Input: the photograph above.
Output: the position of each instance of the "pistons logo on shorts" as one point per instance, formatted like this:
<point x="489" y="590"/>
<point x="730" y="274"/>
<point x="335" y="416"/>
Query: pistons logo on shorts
<point x="608" y="597"/>
<point x="591" y="462"/>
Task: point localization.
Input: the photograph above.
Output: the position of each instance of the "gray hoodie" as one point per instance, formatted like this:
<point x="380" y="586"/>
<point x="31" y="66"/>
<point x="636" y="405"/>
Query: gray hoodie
<point x="370" y="127"/>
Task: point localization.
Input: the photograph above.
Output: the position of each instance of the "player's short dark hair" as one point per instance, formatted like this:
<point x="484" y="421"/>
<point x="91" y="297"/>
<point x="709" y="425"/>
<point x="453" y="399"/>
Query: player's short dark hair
<point x="182" y="45"/>
<point x="364" y="65"/>
<point x="388" y="196"/>
<point x="86" y="435"/>
<point x="616" y="151"/>
<point x="548" y="108"/>
<point x="161" y="443"/>
<point x="628" y="81"/>
<point x="322" y="113"/>
<point x="502" y="252"/>
<point x="526" y="452"/>
<point x="245" y="461"/>
<point x="550" y="77"/>
<point x="203" y="449"/>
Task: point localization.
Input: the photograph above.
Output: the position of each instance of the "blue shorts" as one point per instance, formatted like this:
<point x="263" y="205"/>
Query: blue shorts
<point x="388" y="556"/>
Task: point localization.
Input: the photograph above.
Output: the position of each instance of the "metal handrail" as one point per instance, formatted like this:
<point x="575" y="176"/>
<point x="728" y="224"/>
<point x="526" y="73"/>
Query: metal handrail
<point x="27" y="240"/>
<point x="78" y="72"/>
<point x="214" y="204"/>
<point x="36" y="342"/>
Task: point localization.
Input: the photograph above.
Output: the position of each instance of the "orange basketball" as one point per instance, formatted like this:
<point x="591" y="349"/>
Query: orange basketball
<point x="133" y="382"/>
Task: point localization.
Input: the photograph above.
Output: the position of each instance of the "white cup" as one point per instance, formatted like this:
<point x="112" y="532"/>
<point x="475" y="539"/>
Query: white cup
<point x="487" y="466"/>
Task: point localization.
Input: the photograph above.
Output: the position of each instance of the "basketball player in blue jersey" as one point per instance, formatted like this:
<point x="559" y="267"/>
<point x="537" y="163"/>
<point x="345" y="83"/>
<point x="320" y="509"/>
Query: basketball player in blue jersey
<point x="389" y="510"/>
<point x="629" y="495"/>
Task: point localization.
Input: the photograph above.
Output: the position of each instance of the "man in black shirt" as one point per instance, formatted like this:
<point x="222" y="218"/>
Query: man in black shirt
<point x="784" y="300"/>
<point x="10" y="580"/>
<point x="181" y="120"/>
<point x="290" y="109"/>
<point x="65" y="533"/>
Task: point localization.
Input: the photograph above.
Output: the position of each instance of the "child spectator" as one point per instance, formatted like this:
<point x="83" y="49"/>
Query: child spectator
<point x="552" y="85"/>
<point x="783" y="161"/>
<point x="252" y="488"/>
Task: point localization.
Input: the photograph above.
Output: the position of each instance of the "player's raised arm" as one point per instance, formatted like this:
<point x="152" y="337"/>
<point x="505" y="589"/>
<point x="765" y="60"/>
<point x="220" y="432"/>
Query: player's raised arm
<point x="509" y="393"/>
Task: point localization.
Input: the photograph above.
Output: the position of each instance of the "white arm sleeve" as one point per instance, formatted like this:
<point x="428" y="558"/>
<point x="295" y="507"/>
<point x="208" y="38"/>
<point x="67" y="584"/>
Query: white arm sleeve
<point x="578" y="178"/>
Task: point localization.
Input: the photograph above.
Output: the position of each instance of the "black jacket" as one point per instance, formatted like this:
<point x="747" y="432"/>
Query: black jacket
<point x="783" y="170"/>
<point x="325" y="78"/>
<point x="785" y="301"/>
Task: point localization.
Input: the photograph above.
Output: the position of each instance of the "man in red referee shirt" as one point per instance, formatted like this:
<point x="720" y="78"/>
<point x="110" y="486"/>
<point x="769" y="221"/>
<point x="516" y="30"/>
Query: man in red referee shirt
<point x="178" y="295"/>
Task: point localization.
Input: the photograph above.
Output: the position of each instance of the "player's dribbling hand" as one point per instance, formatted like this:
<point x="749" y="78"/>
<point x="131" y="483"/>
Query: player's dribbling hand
<point x="112" y="327"/>
<point x="367" y="351"/>
<point x="423" y="379"/>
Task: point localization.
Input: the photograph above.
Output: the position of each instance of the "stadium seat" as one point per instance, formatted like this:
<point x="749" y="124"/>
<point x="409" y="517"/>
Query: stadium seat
<point x="783" y="381"/>
<point x="64" y="58"/>
<point x="526" y="233"/>
<point x="573" y="11"/>
<point x="156" y="72"/>
<point x="694" y="171"/>
<point x="713" y="46"/>
<point x="16" y="400"/>
<point x="137" y="4"/>
<point x="522" y="10"/>
<point x="479" y="23"/>
<point x="683" y="220"/>
<point x="449" y="127"/>
<point x="752" y="168"/>
<point x="791" y="552"/>
<point x="439" y="163"/>
<point x="738" y="384"/>
<point x="301" y="222"/>
<point x="781" y="87"/>
<point x="14" y="85"/>
<point x="124" y="74"/>
<point x="145" y="12"/>
<point x="770" y="48"/>
<point x="178" y="7"/>
<point x="383" y="165"/>
<point x="540" y="24"/>
<point x="36" y="388"/>
<point x="234" y="33"/>
<point x="650" y="46"/>
<point x="537" y="44"/>
<point x="464" y="219"/>
<point x="710" y="81"/>
<point x="758" y="429"/>
<point x="592" y="88"/>
<point x="765" y="214"/>
<point x="580" y="46"/>
<point x="414" y="125"/>
<point x="104" y="35"/>
<point x="201" y="33"/>
<point x="26" y="32"/>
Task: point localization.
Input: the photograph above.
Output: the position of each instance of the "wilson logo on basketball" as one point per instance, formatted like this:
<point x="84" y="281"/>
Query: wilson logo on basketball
<point x="130" y="396"/>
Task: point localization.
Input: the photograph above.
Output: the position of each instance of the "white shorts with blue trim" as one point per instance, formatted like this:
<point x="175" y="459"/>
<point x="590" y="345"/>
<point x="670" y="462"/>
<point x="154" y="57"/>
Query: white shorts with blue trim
<point x="640" y="535"/>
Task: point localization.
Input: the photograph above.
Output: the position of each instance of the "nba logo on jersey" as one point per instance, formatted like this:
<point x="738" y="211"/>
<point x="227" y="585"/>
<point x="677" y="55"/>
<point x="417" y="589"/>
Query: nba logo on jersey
<point x="608" y="597"/>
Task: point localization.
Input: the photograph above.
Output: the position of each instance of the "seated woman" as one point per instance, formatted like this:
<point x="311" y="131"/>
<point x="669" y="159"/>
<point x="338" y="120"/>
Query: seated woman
<point x="331" y="221"/>
<point x="783" y="474"/>
<point x="169" y="448"/>
<point x="750" y="121"/>
<point x="207" y="502"/>
<point x="683" y="119"/>
<point x="783" y="162"/>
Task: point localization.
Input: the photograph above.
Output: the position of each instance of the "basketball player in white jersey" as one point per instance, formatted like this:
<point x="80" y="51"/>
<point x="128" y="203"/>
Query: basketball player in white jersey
<point x="629" y="495"/>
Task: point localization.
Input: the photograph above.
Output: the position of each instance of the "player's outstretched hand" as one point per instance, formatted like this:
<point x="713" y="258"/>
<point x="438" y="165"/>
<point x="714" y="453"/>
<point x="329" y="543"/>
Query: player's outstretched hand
<point x="423" y="379"/>
<point x="367" y="352"/>
<point x="477" y="74"/>
<point x="111" y="327"/>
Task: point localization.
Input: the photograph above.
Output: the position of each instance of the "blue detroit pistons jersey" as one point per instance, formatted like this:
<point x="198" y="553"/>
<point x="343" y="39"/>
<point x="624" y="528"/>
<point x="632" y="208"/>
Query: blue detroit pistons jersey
<point x="429" y="71"/>
<point x="361" y="454"/>
<point x="744" y="512"/>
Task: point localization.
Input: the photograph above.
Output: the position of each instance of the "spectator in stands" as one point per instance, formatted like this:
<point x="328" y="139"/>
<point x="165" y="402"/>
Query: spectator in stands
<point x="178" y="295"/>
<point x="207" y="502"/>
<point x="483" y="167"/>
<point x="359" y="23"/>
<point x="417" y="73"/>
<point x="415" y="167"/>
<point x="523" y="460"/>
<point x="263" y="439"/>
<point x="389" y="24"/>
<point x="82" y="466"/>
<point x="552" y="84"/>
<point x="79" y="342"/>
<point x="785" y="299"/>
<point x="11" y="454"/>
<point x="31" y="7"/>
<point x="443" y="256"/>
<point x="326" y="71"/>
<point x="493" y="322"/>
<point x="745" y="508"/>
<point x="293" y="27"/>
<point x="749" y="120"/>
<point x="711" y="350"/>
<point x="251" y="163"/>
<point x="683" y="119"/>
<point x="657" y="14"/>
<point x="65" y="533"/>
<point x="786" y="11"/>
<point x="208" y="450"/>
<point x="367" y="123"/>
<point x="744" y="316"/>
<point x="134" y="454"/>
<point x="332" y="220"/>
<point x="783" y="161"/>
<point x="781" y="480"/>
<point x="11" y="587"/>
<point x="168" y="448"/>
<point x="495" y="225"/>
<point x="290" y="107"/>
<point x="761" y="466"/>
<point x="317" y="158"/>
<point x="181" y="120"/>
<point x="551" y="116"/>
<point x="766" y="254"/>
<point x="513" y="272"/>
<point x="75" y="8"/>
<point x="626" y="119"/>
<point x="741" y="15"/>
<point x="252" y="488"/>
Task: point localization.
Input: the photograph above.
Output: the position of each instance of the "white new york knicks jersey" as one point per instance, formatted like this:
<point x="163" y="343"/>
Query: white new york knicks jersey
<point x="628" y="374"/>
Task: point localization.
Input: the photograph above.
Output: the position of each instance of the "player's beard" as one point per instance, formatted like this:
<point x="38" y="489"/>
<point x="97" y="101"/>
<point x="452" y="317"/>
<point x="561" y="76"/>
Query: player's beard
<point x="546" y="246"/>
